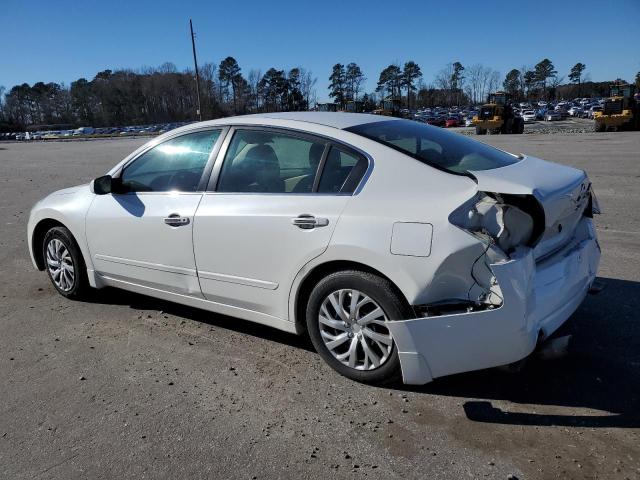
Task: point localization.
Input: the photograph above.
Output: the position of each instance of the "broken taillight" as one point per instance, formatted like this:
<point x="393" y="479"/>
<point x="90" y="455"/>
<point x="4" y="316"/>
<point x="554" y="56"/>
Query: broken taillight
<point x="490" y="215"/>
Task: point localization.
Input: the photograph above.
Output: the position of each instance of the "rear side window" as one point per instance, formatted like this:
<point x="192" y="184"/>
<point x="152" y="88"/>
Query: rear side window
<point x="174" y="165"/>
<point x="434" y="146"/>
<point x="342" y="172"/>
<point x="270" y="162"/>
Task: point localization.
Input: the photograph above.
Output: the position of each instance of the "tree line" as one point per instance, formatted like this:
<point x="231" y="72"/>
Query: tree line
<point x="456" y="84"/>
<point x="164" y="94"/>
<point x="157" y="95"/>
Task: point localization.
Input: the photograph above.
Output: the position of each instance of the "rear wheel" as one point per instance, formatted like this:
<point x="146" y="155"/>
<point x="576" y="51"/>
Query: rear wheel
<point x="347" y="315"/>
<point x="64" y="263"/>
<point x="481" y="131"/>
<point x="599" y="127"/>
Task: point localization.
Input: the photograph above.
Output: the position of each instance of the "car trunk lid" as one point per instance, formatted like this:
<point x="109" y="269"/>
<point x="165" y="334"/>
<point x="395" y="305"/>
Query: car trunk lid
<point x="563" y="192"/>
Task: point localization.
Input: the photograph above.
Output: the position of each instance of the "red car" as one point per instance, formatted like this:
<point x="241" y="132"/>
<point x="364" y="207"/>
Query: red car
<point x="451" y="122"/>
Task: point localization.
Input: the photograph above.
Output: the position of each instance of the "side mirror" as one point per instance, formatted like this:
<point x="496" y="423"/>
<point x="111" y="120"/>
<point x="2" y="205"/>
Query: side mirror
<point x="102" y="185"/>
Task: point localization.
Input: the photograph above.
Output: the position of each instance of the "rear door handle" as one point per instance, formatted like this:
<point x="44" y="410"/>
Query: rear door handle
<point x="175" y="220"/>
<point x="307" y="222"/>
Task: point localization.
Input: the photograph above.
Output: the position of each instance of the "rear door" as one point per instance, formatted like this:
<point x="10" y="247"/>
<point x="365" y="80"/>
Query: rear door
<point x="270" y="213"/>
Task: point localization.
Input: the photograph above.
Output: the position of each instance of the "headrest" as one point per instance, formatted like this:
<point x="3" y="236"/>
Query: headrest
<point x="333" y="162"/>
<point x="315" y="154"/>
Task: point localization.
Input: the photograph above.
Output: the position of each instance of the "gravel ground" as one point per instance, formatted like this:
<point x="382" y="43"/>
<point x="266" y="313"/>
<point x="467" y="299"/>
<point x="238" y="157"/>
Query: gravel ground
<point x="128" y="386"/>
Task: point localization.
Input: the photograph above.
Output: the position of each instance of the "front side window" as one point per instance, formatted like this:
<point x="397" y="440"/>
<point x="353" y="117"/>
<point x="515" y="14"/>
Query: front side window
<point x="174" y="165"/>
<point x="270" y="162"/>
<point x="435" y="146"/>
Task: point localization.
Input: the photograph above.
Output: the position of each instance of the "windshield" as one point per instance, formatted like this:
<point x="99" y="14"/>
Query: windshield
<point x="434" y="146"/>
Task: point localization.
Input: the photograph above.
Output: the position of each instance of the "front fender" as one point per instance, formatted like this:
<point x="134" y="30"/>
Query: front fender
<point x="68" y="207"/>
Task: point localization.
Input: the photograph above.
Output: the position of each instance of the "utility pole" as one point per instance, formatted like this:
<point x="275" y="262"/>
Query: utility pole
<point x="195" y="63"/>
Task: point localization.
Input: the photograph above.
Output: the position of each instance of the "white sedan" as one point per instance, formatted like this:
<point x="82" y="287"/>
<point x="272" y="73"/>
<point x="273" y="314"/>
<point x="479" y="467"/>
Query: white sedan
<point x="575" y="111"/>
<point x="399" y="248"/>
<point x="529" y="116"/>
<point x="552" y="115"/>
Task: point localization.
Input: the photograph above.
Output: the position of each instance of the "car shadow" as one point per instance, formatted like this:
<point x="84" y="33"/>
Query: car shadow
<point x="601" y="371"/>
<point x="115" y="296"/>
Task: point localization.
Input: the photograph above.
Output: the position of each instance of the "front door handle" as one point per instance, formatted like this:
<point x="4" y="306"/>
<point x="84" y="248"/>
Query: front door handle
<point x="307" y="222"/>
<point x="175" y="220"/>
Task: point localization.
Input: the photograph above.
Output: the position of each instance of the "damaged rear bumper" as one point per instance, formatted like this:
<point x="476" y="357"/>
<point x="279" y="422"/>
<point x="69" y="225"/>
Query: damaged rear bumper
<point x="538" y="297"/>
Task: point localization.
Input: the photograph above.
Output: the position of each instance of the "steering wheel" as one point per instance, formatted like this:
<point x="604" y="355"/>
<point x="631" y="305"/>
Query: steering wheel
<point x="185" y="181"/>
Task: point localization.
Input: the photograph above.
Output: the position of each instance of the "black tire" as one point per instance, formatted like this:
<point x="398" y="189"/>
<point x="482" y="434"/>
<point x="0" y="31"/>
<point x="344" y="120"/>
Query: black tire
<point x="379" y="290"/>
<point x="481" y="131"/>
<point x="80" y="285"/>
<point x="599" y="127"/>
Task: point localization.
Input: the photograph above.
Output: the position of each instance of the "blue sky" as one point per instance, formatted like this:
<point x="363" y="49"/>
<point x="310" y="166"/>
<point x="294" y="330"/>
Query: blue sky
<point x="63" y="40"/>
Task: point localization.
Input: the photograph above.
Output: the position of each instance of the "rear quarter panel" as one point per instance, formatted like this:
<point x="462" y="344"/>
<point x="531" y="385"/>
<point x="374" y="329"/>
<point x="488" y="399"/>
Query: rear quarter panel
<point x="400" y="189"/>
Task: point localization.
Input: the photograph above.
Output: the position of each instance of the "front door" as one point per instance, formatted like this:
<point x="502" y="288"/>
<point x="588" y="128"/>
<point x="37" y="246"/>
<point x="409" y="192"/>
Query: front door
<point x="142" y="233"/>
<point x="273" y="211"/>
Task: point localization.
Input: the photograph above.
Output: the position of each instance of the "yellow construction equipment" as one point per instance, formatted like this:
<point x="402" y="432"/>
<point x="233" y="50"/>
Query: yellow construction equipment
<point x="497" y="116"/>
<point x="621" y="111"/>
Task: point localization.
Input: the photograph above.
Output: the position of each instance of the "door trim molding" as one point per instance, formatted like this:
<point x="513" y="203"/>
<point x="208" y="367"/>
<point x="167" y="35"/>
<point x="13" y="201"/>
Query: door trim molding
<point x="251" y="282"/>
<point x="151" y="266"/>
<point x="208" y="305"/>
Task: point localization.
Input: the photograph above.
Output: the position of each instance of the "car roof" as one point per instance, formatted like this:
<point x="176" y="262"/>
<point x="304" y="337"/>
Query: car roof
<point x="329" y="119"/>
<point x="340" y="120"/>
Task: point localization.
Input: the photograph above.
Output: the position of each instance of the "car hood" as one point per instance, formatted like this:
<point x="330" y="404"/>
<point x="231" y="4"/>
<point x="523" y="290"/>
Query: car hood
<point x="71" y="190"/>
<point x="64" y="195"/>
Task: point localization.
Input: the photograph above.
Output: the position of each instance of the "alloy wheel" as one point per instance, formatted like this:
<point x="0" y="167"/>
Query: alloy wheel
<point x="353" y="328"/>
<point x="60" y="265"/>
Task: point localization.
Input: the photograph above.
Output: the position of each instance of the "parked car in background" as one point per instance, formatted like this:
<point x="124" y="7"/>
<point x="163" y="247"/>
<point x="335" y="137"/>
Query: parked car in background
<point x="540" y="113"/>
<point x="436" y="121"/>
<point x="452" y="122"/>
<point x="84" y="131"/>
<point x="575" y="111"/>
<point x="529" y="116"/>
<point x="552" y="115"/>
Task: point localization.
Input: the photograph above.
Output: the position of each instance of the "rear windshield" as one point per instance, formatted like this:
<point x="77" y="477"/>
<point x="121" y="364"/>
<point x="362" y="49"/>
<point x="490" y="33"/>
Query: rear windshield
<point x="434" y="146"/>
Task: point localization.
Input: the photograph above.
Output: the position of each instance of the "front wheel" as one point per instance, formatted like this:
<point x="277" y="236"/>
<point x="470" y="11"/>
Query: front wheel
<point x="64" y="263"/>
<point x="347" y="315"/>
